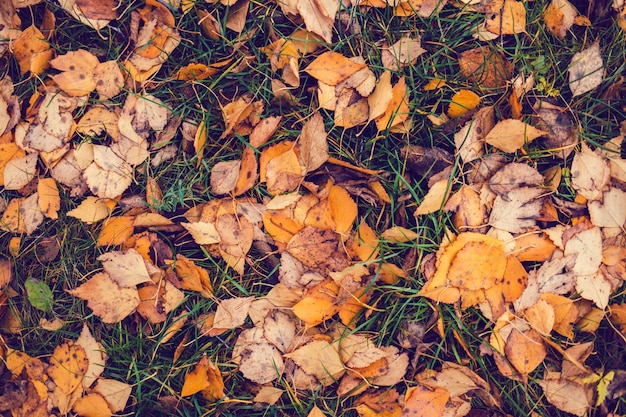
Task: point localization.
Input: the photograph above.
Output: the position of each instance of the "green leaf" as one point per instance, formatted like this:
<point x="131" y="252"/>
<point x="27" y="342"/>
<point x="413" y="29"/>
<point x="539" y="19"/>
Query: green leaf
<point x="39" y="294"/>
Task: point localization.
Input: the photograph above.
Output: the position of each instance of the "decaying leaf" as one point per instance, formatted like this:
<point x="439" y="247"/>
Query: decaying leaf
<point x="586" y="70"/>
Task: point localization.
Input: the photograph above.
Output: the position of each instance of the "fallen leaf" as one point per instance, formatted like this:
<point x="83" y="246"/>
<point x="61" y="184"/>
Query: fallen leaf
<point x="331" y="67"/>
<point x="32" y="51"/>
<point x="116" y="230"/>
<point x="68" y="366"/>
<point x="192" y="276"/>
<point x="435" y="199"/>
<point x="510" y="19"/>
<point x="486" y="67"/>
<point x="92" y="405"/>
<point x="586" y="70"/>
<point x="590" y="173"/>
<point x="231" y="313"/>
<point x="397" y="110"/>
<point x="319" y="359"/>
<point x="567" y="395"/>
<point x="205" y="377"/>
<point x="611" y="211"/>
<point x="405" y="52"/>
<point x="19" y="171"/>
<point x="462" y="102"/>
<point x="422" y="401"/>
<point x="517" y="211"/>
<point x="92" y="209"/>
<point x="318" y="16"/>
<point x="96" y="356"/>
<point x="511" y="135"/>
<point x="106" y="298"/>
<point x="559" y="17"/>
<point x="312" y="144"/>
<point x="114" y="392"/>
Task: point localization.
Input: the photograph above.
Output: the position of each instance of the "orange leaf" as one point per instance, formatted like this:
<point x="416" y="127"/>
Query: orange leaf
<point x="32" y="52"/>
<point x="365" y="244"/>
<point x="332" y="68"/>
<point x="49" y="200"/>
<point x="515" y="279"/>
<point x="195" y="72"/>
<point x="270" y="153"/>
<point x="284" y="173"/>
<point x="422" y="401"/>
<point x="343" y="209"/>
<point x="462" y="102"/>
<point x="397" y="110"/>
<point x="525" y="350"/>
<point x="248" y="172"/>
<point x="280" y="226"/>
<point x="205" y="377"/>
<point x="92" y="405"/>
<point x="193" y="277"/>
<point x="318" y="304"/>
<point x="116" y="230"/>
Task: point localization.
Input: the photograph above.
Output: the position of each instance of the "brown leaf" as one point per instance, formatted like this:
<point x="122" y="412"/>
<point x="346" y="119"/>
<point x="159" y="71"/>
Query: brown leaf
<point x="485" y="67"/>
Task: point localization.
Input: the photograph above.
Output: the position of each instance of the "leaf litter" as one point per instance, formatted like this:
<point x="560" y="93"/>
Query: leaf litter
<point x="530" y="264"/>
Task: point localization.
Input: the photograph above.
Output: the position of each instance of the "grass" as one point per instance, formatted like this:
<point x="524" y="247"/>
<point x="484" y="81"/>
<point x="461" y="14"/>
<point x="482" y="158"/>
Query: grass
<point x="136" y="354"/>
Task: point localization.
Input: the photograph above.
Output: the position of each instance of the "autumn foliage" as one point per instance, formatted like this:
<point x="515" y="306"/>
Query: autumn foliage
<point x="541" y="269"/>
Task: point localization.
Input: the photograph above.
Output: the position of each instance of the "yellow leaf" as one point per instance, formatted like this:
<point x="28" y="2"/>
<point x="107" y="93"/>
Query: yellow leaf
<point x="511" y="19"/>
<point x="92" y="405"/>
<point x="318" y="304"/>
<point x="390" y="273"/>
<point x="399" y="234"/>
<point x="8" y="151"/>
<point x="525" y="350"/>
<point x="205" y="377"/>
<point x="365" y="243"/>
<point x="511" y="135"/>
<point x="434" y="84"/>
<point x="49" y="200"/>
<point x="12" y="219"/>
<point x="284" y="173"/>
<point x="68" y="366"/>
<point x="559" y="17"/>
<point x="280" y="226"/>
<point x="320" y="359"/>
<point x="381" y="96"/>
<point x="14" y="246"/>
<point x="93" y="209"/>
<point x="435" y="199"/>
<point x="462" y="102"/>
<point x="332" y="68"/>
